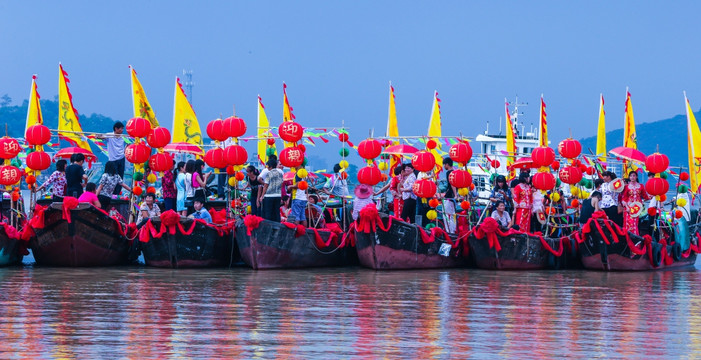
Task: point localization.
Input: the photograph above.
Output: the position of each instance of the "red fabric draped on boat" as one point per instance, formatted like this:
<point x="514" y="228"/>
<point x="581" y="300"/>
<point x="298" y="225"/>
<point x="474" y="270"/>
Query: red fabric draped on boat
<point x="252" y="222"/>
<point x="69" y="203"/>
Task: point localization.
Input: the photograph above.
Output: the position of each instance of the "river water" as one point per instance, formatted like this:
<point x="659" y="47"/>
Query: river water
<point x="139" y="312"/>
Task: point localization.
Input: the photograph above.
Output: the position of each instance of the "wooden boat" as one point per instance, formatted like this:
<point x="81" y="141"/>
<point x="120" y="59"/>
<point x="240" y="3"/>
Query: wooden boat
<point x="395" y="244"/>
<point x="265" y="244"/>
<point x="12" y="248"/>
<point x="513" y="250"/>
<point x="81" y="236"/>
<point x="192" y="244"/>
<point x="604" y="246"/>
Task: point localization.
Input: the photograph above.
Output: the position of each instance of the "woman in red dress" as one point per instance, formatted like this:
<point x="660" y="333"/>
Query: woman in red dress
<point x="523" y="201"/>
<point x="632" y="200"/>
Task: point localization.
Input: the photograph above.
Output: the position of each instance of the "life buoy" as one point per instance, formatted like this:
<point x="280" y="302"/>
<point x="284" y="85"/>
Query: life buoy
<point x="676" y="250"/>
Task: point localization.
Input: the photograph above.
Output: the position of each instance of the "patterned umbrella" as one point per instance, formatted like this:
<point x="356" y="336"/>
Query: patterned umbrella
<point x="400" y="150"/>
<point x="66" y="153"/>
<point x="627" y="153"/>
<point x="184" y="148"/>
<point x="523" y="163"/>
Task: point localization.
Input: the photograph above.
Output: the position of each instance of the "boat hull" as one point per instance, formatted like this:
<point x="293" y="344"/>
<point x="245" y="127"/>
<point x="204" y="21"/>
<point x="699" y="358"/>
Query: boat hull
<point x="203" y="248"/>
<point x="10" y="250"/>
<point x="401" y="247"/>
<point x="518" y="252"/>
<point x="596" y="254"/>
<point x="90" y="239"/>
<point x="274" y="246"/>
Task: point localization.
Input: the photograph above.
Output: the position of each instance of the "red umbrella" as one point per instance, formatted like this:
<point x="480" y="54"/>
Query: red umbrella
<point x="184" y="148"/>
<point x="66" y="153"/>
<point x="628" y="154"/>
<point x="400" y="150"/>
<point x="523" y="163"/>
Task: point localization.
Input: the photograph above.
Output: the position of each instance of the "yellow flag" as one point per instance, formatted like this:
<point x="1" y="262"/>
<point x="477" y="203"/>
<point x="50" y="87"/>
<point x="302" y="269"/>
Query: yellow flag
<point x="694" y="143"/>
<point x="263" y="132"/>
<point x="185" y="126"/>
<point x="69" y="127"/>
<point x="434" y="129"/>
<point x="601" y="132"/>
<point x="392" y="130"/>
<point x="287" y="114"/>
<point x="629" y="137"/>
<point x="142" y="108"/>
<point x="510" y="139"/>
<point x="543" y="141"/>
<point x="34" y="110"/>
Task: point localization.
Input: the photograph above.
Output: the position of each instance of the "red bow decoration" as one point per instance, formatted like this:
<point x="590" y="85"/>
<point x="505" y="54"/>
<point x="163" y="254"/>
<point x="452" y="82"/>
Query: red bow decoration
<point x="251" y="222"/>
<point x="69" y="203"/>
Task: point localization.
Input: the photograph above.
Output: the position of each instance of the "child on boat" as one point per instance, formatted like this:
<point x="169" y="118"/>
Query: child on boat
<point x="200" y="211"/>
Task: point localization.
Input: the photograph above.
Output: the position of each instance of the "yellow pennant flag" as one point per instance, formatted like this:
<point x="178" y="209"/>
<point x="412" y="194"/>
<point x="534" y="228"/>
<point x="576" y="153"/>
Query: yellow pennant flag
<point x="510" y="140"/>
<point x="392" y="130"/>
<point x="263" y="132"/>
<point x="694" y="144"/>
<point x="601" y="132"/>
<point x="434" y="130"/>
<point x="69" y="127"/>
<point x="543" y="140"/>
<point x="34" y="110"/>
<point x="287" y="114"/>
<point x="629" y="137"/>
<point x="186" y="128"/>
<point x="142" y="108"/>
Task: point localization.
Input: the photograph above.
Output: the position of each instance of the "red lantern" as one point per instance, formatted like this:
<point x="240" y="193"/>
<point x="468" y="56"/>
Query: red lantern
<point x="369" y="175"/>
<point x="423" y="161"/>
<point x="684" y="176"/>
<point x="9" y="175"/>
<point x="239" y="176"/>
<point x="343" y="137"/>
<point x="233" y="127"/>
<point x="215" y="130"/>
<point x="291" y="156"/>
<point x="656" y="186"/>
<point x="138" y="127"/>
<point x="38" y="160"/>
<point x="384" y="177"/>
<point x="230" y="170"/>
<point x="271" y="141"/>
<point x="37" y="135"/>
<point x="555" y="165"/>
<point x="9" y="148"/>
<point x="575" y="203"/>
<point x="290" y="131"/>
<point x="369" y="149"/>
<point x="543" y="156"/>
<point x="582" y="167"/>
<point x="215" y="158"/>
<point x="657" y="163"/>
<point x="431" y="144"/>
<point x="461" y="152"/>
<point x="465" y="205"/>
<point x="570" y="175"/>
<point x="31" y="179"/>
<point x="460" y="178"/>
<point x="158" y="137"/>
<point x="137" y="190"/>
<point x="433" y="203"/>
<point x="590" y="171"/>
<point x="424" y="188"/>
<point x="302" y="147"/>
<point x="150" y="190"/>
<point x="543" y="181"/>
<point x="569" y="148"/>
<point x="235" y="155"/>
<point x="652" y="211"/>
<point x="495" y="164"/>
<point x="161" y="162"/>
<point x="344" y="175"/>
<point x="137" y="153"/>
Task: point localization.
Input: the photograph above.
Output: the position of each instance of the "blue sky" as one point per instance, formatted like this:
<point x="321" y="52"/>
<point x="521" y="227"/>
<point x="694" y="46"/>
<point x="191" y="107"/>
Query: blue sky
<point x="338" y="57"/>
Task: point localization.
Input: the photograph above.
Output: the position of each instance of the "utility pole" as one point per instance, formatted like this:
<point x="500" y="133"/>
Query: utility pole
<point x="189" y="84"/>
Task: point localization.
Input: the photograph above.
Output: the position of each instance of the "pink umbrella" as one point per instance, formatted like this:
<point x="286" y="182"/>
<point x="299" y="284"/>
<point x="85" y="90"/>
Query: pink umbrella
<point x="66" y="153"/>
<point x="523" y="163"/>
<point x="627" y="153"/>
<point x="400" y="150"/>
<point x="184" y="148"/>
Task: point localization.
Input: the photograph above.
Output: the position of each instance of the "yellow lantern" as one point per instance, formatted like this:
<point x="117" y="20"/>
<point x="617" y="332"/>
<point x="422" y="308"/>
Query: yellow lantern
<point x="432" y="215"/>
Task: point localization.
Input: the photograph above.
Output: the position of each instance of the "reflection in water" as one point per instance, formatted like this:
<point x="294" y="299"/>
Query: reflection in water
<point x="347" y="312"/>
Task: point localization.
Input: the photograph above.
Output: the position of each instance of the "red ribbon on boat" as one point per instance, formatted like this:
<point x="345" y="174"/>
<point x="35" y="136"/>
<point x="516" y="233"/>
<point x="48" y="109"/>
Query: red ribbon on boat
<point x="69" y="203"/>
<point x="299" y="229"/>
<point x="252" y="222"/>
<point x="170" y="219"/>
<point x="321" y="244"/>
<point x="436" y="231"/>
<point x="369" y="218"/>
<point x="489" y="228"/>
